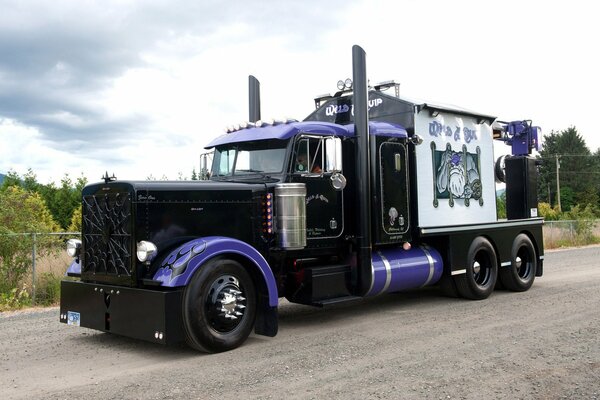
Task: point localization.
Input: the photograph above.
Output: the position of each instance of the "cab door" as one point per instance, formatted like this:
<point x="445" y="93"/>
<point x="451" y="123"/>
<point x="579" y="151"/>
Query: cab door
<point x="315" y="160"/>
<point x="391" y="211"/>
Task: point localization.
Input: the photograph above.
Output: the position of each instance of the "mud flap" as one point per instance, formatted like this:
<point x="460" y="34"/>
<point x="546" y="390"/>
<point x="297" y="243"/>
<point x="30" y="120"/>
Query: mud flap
<point x="266" y="318"/>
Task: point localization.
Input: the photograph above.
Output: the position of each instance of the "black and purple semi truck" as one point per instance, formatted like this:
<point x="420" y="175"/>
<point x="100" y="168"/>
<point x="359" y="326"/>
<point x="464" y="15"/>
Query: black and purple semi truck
<point x="370" y="194"/>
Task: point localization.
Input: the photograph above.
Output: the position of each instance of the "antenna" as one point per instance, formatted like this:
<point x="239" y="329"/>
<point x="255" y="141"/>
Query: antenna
<point x="107" y="178"/>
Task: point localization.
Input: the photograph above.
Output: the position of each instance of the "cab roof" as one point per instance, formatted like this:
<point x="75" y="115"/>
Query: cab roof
<point x="285" y="131"/>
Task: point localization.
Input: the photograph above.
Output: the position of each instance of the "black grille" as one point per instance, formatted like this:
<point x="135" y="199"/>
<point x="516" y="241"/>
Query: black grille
<point x="107" y="245"/>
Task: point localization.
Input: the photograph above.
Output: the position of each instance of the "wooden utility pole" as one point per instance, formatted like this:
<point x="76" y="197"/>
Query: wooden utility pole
<point x="558" y="183"/>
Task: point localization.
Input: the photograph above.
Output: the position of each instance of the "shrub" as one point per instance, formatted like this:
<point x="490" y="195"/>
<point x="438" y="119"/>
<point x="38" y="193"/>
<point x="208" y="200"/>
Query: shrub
<point x="549" y="213"/>
<point x="14" y="298"/>
<point x="48" y="289"/>
<point x="584" y="223"/>
<point x="20" y="211"/>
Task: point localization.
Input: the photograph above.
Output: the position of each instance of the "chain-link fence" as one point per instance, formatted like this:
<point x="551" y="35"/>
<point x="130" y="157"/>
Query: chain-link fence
<point x="32" y="265"/>
<point x="570" y="232"/>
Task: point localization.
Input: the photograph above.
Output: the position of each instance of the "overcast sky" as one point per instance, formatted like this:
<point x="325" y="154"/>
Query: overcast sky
<point x="139" y="88"/>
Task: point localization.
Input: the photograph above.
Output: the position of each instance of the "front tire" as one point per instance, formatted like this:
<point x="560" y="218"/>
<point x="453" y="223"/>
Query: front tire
<point x="519" y="276"/>
<point x="481" y="273"/>
<point x="219" y="306"/>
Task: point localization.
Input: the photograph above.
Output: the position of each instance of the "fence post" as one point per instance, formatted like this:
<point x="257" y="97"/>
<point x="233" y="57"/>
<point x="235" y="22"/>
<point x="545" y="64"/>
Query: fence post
<point x="33" y="256"/>
<point x="571" y="230"/>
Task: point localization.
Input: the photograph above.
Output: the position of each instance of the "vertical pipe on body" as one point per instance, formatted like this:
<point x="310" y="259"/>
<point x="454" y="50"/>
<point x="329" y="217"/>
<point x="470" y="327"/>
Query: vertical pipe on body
<point x="363" y="181"/>
<point x="254" y="99"/>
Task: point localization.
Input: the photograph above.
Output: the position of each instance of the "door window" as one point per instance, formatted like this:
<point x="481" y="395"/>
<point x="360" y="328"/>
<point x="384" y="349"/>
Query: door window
<point x="316" y="155"/>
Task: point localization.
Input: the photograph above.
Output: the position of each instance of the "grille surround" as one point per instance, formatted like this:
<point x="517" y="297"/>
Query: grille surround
<point x="107" y="223"/>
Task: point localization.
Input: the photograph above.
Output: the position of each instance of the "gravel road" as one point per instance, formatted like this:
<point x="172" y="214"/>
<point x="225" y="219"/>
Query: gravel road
<point x="541" y="344"/>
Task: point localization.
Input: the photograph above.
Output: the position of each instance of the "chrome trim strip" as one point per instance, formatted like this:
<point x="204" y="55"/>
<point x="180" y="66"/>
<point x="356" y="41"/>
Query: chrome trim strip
<point x="431" y="265"/>
<point x="458" y="272"/>
<point x="372" y="278"/>
<point x="388" y="273"/>
<point x="505" y="263"/>
<point x="430" y="231"/>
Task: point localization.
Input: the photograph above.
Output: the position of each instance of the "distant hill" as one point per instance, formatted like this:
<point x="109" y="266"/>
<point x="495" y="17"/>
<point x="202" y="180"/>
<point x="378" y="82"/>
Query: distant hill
<point x="2" y="178"/>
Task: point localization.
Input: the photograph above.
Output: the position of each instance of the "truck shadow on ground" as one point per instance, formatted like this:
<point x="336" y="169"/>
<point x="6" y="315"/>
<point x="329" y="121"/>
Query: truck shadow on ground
<point x="121" y="344"/>
<point x="291" y="316"/>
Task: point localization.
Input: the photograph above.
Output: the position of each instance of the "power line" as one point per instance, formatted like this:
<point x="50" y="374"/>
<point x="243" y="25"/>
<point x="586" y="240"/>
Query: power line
<point x="551" y="157"/>
<point x="579" y="172"/>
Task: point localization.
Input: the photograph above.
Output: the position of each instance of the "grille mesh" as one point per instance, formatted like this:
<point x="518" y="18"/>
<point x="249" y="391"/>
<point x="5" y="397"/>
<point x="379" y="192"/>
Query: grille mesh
<point x="107" y="235"/>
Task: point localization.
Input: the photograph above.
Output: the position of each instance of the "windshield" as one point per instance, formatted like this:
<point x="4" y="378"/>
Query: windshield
<point x="262" y="157"/>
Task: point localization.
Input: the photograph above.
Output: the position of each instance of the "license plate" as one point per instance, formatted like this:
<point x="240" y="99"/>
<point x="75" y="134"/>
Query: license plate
<point x="73" y="318"/>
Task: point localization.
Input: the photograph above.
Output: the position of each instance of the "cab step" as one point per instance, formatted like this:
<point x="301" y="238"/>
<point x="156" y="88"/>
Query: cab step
<point x="337" y="300"/>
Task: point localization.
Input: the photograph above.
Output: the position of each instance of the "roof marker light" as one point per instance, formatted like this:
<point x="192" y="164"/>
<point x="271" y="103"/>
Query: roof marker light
<point x="348" y="83"/>
<point x="340" y="85"/>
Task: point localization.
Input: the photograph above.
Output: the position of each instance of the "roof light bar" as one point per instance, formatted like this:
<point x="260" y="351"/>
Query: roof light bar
<point x="386" y="85"/>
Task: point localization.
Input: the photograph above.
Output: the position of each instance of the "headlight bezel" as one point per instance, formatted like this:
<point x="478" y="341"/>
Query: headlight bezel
<point x="74" y="248"/>
<point x="145" y="251"/>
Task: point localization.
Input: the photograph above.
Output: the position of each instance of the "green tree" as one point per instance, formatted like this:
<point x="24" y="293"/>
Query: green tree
<point x="576" y="167"/>
<point x="501" y="206"/>
<point x="75" y="225"/>
<point x="11" y="179"/>
<point x="29" y="182"/>
<point x="64" y="200"/>
<point x="547" y="212"/>
<point x="567" y="198"/>
<point x="61" y="201"/>
<point x="20" y="212"/>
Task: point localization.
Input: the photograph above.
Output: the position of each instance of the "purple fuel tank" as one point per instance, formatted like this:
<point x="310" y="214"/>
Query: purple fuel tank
<point x="396" y="269"/>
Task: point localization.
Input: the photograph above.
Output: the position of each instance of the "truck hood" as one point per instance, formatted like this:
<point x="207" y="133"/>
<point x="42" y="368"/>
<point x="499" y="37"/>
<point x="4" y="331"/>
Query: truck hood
<point x="175" y="191"/>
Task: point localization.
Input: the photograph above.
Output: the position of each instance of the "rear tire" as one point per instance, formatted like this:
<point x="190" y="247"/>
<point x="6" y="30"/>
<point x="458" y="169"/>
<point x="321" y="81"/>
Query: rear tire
<point x="219" y="306"/>
<point x="519" y="276"/>
<point x="482" y="271"/>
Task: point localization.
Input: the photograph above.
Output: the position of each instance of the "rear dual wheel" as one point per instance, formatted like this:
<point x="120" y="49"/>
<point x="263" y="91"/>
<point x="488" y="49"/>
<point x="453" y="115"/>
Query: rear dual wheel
<point x="219" y="306"/>
<point x="519" y="276"/>
<point x="478" y="281"/>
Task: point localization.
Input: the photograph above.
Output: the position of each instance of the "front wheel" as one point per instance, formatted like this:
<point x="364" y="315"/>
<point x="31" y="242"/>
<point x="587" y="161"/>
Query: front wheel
<point x="478" y="281"/>
<point x="219" y="306"/>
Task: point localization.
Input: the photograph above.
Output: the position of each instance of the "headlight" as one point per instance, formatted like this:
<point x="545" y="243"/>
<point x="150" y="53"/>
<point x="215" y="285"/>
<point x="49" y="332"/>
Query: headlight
<point x="146" y="251"/>
<point x="74" y="247"/>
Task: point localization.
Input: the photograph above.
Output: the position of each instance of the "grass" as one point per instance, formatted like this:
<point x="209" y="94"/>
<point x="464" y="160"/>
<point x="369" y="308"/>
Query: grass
<point x="557" y="234"/>
<point x="50" y="270"/>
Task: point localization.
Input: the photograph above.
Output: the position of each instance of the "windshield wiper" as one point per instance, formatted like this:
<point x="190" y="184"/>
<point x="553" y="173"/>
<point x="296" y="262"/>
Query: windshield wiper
<point x="250" y="170"/>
